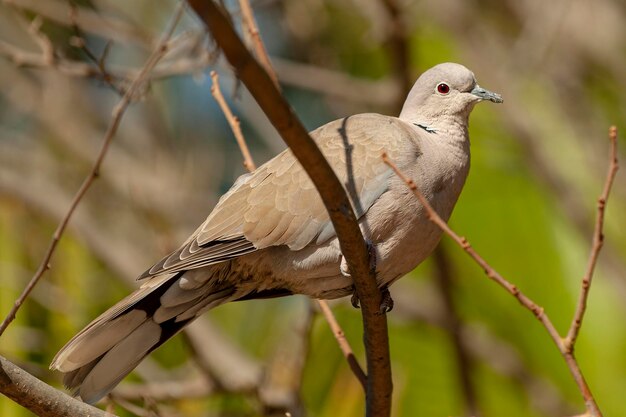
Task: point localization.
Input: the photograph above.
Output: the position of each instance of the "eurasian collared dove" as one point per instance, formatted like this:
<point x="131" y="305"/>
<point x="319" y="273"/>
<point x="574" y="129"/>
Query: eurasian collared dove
<point x="270" y="234"/>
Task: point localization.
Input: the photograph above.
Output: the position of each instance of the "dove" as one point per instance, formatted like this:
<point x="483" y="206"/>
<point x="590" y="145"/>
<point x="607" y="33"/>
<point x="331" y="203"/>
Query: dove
<point x="270" y="234"/>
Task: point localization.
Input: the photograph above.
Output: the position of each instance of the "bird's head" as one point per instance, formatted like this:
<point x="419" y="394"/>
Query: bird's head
<point x="446" y="90"/>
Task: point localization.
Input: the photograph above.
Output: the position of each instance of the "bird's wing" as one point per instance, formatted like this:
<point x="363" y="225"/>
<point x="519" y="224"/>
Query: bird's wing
<point x="278" y="204"/>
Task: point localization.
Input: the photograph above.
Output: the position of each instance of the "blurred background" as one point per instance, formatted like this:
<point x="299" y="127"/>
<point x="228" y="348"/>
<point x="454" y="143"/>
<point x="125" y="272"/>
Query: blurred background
<point x="460" y="345"/>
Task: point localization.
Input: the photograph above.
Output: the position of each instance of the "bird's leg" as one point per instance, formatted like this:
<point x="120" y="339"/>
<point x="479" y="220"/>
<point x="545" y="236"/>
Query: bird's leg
<point x="371" y="251"/>
<point x="354" y="300"/>
<point x="386" y="302"/>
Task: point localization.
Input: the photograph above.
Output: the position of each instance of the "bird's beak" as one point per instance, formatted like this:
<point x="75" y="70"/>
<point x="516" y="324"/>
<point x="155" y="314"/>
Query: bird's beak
<point x="483" y="94"/>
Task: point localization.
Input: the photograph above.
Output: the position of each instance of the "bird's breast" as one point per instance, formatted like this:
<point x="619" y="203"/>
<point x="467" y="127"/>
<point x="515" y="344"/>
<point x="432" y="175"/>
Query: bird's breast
<point x="399" y="224"/>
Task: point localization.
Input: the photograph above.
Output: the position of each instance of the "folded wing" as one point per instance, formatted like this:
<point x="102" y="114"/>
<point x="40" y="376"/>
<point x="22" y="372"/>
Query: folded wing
<point x="278" y="204"/>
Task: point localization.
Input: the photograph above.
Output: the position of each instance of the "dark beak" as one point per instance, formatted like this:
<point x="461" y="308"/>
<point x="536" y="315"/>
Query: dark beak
<point x="478" y="91"/>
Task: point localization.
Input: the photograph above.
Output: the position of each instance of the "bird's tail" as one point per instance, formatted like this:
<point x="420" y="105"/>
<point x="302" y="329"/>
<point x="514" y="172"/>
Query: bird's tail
<point x="111" y="346"/>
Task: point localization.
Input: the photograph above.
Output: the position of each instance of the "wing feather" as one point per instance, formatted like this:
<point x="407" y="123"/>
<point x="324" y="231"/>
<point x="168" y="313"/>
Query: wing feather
<point x="278" y="204"/>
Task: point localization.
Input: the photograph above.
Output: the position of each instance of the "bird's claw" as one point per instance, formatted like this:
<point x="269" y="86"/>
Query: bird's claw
<point x="386" y="302"/>
<point x="371" y="250"/>
<point x="354" y="300"/>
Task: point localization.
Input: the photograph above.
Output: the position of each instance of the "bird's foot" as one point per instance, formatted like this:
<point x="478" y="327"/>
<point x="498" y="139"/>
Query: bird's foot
<point x="354" y="300"/>
<point x="371" y="250"/>
<point x="386" y="302"/>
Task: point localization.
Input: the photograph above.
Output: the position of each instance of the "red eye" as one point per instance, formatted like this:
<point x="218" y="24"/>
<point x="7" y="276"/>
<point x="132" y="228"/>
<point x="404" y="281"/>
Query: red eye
<point x="443" y="88"/>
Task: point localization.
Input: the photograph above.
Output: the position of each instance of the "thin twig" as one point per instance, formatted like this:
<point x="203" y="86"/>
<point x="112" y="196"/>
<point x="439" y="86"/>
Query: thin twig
<point x="598" y="240"/>
<point x="78" y="41"/>
<point x="47" y="49"/>
<point x="538" y="312"/>
<point x="248" y="163"/>
<point x="105" y="26"/>
<point x="343" y="343"/>
<point x="259" y="48"/>
<point x="233" y="121"/>
<point x="116" y="117"/>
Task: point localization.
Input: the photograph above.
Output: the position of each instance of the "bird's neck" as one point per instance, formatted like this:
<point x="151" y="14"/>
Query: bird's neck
<point x="448" y="130"/>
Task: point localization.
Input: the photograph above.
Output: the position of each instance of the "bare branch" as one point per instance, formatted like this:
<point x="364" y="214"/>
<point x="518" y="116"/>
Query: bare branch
<point x="343" y="343"/>
<point x="196" y="387"/>
<point x="233" y="121"/>
<point x="60" y="11"/>
<point x="47" y="49"/>
<point x="331" y="191"/>
<point x="116" y="118"/>
<point x="40" y="398"/>
<point x="259" y="48"/>
<point x="598" y="240"/>
<point x="384" y="92"/>
<point x="538" y="312"/>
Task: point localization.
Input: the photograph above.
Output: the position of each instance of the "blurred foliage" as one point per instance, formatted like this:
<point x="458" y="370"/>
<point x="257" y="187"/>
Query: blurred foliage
<point x="538" y="163"/>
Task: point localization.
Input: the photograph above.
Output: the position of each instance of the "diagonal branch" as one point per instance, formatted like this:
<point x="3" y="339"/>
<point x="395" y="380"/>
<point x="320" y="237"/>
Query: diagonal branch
<point x="116" y="117"/>
<point x="565" y="350"/>
<point x="261" y="53"/>
<point x="248" y="163"/>
<point x="598" y="240"/>
<point x="233" y="121"/>
<point x="343" y="343"/>
<point x="280" y="114"/>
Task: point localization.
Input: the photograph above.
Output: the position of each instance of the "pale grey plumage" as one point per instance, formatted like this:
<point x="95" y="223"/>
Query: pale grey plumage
<point x="270" y="235"/>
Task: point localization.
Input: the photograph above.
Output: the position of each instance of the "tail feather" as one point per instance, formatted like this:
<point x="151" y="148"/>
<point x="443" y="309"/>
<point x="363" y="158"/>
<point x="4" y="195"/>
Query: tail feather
<point x="119" y="361"/>
<point x="109" y="348"/>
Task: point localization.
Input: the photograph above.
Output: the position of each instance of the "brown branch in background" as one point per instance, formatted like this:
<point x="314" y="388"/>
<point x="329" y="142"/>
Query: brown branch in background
<point x="454" y="326"/>
<point x="233" y="121"/>
<point x="598" y="240"/>
<point x="89" y="20"/>
<point x="261" y="53"/>
<point x="196" y="387"/>
<point x="47" y="49"/>
<point x="248" y="163"/>
<point x="383" y="92"/>
<point x="42" y="399"/>
<point x="399" y="46"/>
<point x="78" y="41"/>
<point x="343" y="343"/>
<point x="116" y="117"/>
<point x="280" y="114"/>
<point x="566" y="352"/>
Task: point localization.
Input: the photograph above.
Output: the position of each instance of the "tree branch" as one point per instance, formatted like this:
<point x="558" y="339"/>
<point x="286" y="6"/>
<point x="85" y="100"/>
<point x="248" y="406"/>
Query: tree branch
<point x="566" y="351"/>
<point x="233" y="121"/>
<point x="39" y="397"/>
<point x="249" y="164"/>
<point x="331" y="191"/>
<point x="340" y="336"/>
<point x="598" y="240"/>
<point x="116" y="118"/>
<point x="261" y="53"/>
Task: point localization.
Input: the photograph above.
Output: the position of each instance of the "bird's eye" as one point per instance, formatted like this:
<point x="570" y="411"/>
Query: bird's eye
<point x="443" y="88"/>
